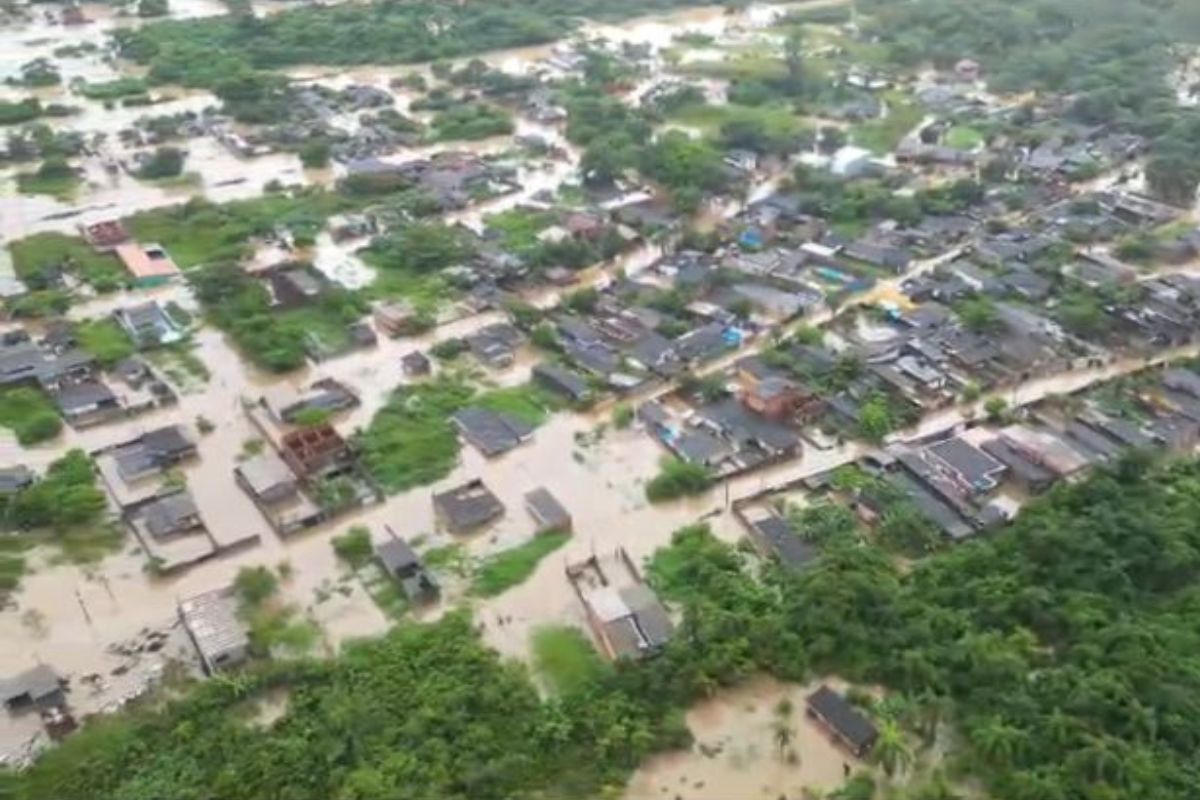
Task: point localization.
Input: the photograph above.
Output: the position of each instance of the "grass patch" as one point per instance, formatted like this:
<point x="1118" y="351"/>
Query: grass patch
<point x="756" y="63"/>
<point x="528" y="402"/>
<point x="60" y="185"/>
<point x="963" y="137"/>
<point x="181" y="365"/>
<point x="512" y="567"/>
<point x="411" y="441"/>
<point x="39" y="259"/>
<point x="105" y="340"/>
<point x="566" y="659"/>
<point x="383" y="590"/>
<point x="112" y="90"/>
<point x="881" y="136"/>
<point x="778" y="122"/>
<point x="29" y="414"/>
<point x="200" y="232"/>
<point x="450" y="558"/>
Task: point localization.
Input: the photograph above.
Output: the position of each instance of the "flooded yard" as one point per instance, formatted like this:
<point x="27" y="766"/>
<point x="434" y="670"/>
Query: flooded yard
<point x="737" y="751"/>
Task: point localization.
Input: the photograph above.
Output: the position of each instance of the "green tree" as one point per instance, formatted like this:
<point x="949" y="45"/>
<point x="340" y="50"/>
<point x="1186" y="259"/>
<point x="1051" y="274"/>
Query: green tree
<point x="891" y="751"/>
<point x="875" y="419"/>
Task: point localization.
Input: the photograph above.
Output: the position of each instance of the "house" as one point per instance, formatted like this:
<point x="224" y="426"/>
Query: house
<point x="295" y="286"/>
<point x="884" y="256"/>
<point x="15" y="479"/>
<point x="415" y="364"/>
<point x="1182" y="380"/>
<point x="86" y="402"/>
<point x="774" y="397"/>
<point x="148" y="265"/>
<point x="149" y="325"/>
<point x="105" y="236"/>
<point x="38" y="687"/>
<point x="170" y="516"/>
<point x="967" y="466"/>
<point x="775" y="537"/>
<point x="23" y="362"/>
<point x="845" y="723"/>
<point x="323" y="398"/>
<point x="563" y="382"/>
<point x="852" y="162"/>
<point x="404" y="566"/>
<point x="216" y="629"/>
<point x="547" y="512"/>
<point x="1030" y="475"/>
<point x="314" y="450"/>
<point x="626" y="618"/>
<point x="266" y="478"/>
<point x="490" y="432"/>
<point x="153" y="453"/>
<point x="495" y="345"/>
<point x="396" y="319"/>
<point x="467" y="507"/>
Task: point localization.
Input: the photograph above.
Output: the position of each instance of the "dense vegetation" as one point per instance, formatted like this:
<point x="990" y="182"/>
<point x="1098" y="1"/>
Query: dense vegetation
<point x="1110" y="57"/>
<point x="412" y="442"/>
<point x="29" y="414"/>
<point x="277" y="340"/>
<point x="677" y="479"/>
<point x="205" y="52"/>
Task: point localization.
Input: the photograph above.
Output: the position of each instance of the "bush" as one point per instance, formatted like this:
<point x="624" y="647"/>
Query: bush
<point x="354" y="547"/>
<point x="29" y="414"/>
<point x="512" y="567"/>
<point x="677" y="479"/>
<point x="165" y="162"/>
<point x="315" y="154"/>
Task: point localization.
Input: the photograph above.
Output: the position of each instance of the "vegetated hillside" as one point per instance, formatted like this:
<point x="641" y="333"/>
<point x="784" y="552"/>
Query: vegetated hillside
<point x="1065" y="650"/>
<point x="205" y="51"/>
<point x="1110" y="57"/>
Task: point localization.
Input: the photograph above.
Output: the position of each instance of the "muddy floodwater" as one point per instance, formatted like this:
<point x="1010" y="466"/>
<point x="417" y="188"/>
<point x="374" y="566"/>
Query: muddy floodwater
<point x="111" y="628"/>
<point x="736" y="753"/>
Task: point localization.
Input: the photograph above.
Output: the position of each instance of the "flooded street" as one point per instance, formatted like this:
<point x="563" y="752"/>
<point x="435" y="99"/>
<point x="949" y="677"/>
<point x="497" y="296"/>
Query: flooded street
<point x="91" y="623"/>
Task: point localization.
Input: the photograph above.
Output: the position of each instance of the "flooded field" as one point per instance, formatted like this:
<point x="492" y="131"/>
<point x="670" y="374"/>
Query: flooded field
<point x="737" y="754"/>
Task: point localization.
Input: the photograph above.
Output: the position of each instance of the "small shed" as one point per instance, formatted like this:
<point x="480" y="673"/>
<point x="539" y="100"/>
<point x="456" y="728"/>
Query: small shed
<point x="404" y="566"/>
<point x="843" y="721"/>
<point x="39" y="686"/>
<point x="467" y="507"/>
<point x="212" y="622"/>
<point x="415" y="364"/>
<point x="547" y="512"/>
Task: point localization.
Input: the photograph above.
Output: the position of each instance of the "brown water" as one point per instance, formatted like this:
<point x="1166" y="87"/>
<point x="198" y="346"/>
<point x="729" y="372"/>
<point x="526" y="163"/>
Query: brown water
<point x="82" y="613"/>
<point x="736" y="754"/>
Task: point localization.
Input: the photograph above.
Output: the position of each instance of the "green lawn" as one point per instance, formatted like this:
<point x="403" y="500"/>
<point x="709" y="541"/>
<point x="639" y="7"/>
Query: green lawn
<point x="566" y="659"/>
<point x="778" y="121"/>
<point x="883" y="135"/>
<point x="411" y="441"/>
<point x="963" y="137"/>
<point x="105" y="340"/>
<point x="513" y="567"/>
<point x="527" y="402"/>
<point x="60" y="186"/>
<point x="200" y="232"/>
<point x="29" y="414"/>
<point x="35" y="258"/>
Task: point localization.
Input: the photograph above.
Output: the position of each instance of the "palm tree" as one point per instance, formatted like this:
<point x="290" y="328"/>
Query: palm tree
<point x="998" y="741"/>
<point x="891" y="751"/>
